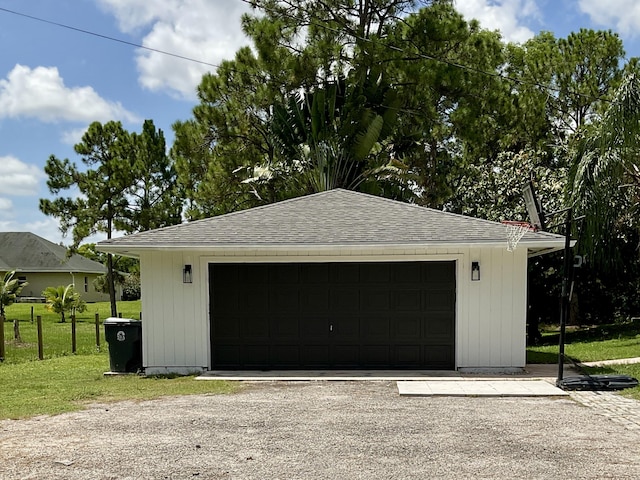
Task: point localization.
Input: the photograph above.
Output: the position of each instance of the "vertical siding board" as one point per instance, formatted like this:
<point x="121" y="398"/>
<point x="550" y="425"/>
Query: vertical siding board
<point x="510" y="317"/>
<point x="519" y="352"/>
<point x="483" y="320"/>
<point x="466" y="295"/>
<point x="497" y="307"/>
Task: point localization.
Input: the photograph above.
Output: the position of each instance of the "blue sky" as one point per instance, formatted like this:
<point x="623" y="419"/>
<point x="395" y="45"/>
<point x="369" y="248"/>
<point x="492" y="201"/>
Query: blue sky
<point x="54" y="82"/>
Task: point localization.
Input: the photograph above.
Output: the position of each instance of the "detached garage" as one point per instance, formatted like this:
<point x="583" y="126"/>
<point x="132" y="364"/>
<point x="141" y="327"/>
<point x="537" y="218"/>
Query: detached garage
<point x="334" y="280"/>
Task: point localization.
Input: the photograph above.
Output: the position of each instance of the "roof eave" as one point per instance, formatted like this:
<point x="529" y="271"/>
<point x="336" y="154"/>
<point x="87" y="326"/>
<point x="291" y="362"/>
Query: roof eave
<point x="134" y="251"/>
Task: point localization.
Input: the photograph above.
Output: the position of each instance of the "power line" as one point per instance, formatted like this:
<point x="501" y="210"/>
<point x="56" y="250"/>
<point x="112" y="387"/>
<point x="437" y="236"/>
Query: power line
<point x="106" y="37"/>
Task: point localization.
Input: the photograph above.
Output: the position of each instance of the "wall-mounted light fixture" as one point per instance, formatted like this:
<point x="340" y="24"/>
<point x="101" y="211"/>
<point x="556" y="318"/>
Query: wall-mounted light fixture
<point x="187" y="276"/>
<point x="475" y="271"/>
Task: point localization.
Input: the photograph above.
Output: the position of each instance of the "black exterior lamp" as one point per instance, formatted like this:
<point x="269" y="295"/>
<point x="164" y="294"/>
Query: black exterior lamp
<point x="187" y="276"/>
<point x="475" y="271"/>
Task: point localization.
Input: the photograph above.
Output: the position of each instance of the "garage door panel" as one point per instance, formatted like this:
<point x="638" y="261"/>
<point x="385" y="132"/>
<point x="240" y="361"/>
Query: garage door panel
<point x="255" y="356"/>
<point x="314" y="327"/>
<point x="440" y="300"/>
<point x="408" y="355"/>
<point x="314" y="300"/>
<point x="285" y="356"/>
<point x="375" y="300"/>
<point x="341" y="273"/>
<point x="438" y="326"/>
<point x="315" y="355"/>
<point x="407" y="327"/>
<point x="406" y="300"/>
<point x="375" y="273"/>
<point x="284" y="274"/>
<point x="226" y="356"/>
<point x="314" y="273"/>
<point x="440" y="273"/>
<point x="255" y="328"/>
<point x="284" y="327"/>
<point x="284" y="300"/>
<point x="376" y="355"/>
<point x="347" y="355"/>
<point x="406" y="273"/>
<point x="344" y="300"/>
<point x="333" y="315"/>
<point x="376" y="327"/>
<point x="226" y="327"/>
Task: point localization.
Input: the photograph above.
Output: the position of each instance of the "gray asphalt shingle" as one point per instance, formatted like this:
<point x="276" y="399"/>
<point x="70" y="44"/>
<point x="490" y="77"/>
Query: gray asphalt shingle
<point x="332" y="218"/>
<point x="27" y="252"/>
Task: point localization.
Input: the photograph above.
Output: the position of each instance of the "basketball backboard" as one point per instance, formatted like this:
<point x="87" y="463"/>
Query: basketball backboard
<point x="534" y="208"/>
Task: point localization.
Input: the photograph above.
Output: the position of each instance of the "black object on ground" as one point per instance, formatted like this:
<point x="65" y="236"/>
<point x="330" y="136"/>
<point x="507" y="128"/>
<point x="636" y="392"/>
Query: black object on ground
<point x="124" y="336"/>
<point x="597" y="382"/>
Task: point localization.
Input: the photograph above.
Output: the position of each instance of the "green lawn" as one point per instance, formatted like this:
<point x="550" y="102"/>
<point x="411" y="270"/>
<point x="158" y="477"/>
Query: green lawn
<point x="56" y="336"/>
<point x="64" y="382"/>
<point x="605" y="342"/>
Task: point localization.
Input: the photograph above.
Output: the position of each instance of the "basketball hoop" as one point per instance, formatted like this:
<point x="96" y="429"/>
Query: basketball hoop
<point x="515" y="231"/>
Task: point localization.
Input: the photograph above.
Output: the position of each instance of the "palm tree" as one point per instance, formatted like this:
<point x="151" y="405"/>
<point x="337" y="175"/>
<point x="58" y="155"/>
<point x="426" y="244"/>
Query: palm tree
<point x="605" y="177"/>
<point x="10" y="288"/>
<point x="63" y="299"/>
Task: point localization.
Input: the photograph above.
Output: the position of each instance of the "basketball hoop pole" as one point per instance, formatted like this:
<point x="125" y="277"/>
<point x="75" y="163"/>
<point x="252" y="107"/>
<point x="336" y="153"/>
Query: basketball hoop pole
<point x="564" y="303"/>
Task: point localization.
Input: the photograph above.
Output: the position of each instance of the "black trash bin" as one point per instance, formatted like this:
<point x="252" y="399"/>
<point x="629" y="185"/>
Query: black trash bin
<point x="124" y="336"/>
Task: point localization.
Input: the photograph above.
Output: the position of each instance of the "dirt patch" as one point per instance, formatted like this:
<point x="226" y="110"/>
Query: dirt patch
<point x="321" y="430"/>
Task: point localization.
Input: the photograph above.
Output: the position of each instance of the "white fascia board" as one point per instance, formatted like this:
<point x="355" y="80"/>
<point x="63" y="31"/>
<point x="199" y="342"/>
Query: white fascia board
<point x="135" y="250"/>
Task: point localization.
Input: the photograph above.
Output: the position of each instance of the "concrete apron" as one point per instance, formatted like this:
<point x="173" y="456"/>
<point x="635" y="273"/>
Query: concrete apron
<point x="535" y="380"/>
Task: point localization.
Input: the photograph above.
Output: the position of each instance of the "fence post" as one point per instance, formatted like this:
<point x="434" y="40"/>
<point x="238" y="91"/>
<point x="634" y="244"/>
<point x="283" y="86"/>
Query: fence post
<point x="40" y="349"/>
<point x="1" y="338"/>
<point x="32" y="314"/>
<point x="73" y="333"/>
<point x="98" y="331"/>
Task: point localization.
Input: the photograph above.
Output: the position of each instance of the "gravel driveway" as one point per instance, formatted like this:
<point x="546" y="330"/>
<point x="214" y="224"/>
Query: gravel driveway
<point x="333" y="430"/>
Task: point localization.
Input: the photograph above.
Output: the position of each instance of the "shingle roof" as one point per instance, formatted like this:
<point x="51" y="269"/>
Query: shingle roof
<point x="27" y="252"/>
<point x="333" y="218"/>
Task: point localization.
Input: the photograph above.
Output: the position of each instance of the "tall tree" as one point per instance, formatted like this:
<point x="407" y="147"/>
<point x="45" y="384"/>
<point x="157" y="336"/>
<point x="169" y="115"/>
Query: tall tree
<point x="605" y="176"/>
<point x="154" y="199"/>
<point x="101" y="205"/>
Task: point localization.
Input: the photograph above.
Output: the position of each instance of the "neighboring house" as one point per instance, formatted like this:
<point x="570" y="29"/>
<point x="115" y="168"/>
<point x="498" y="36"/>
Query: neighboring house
<point x="334" y="280"/>
<point x="44" y="264"/>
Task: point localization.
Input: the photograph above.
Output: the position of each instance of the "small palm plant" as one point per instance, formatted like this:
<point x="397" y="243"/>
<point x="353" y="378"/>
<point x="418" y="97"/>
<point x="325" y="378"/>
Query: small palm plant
<point x="10" y="288"/>
<point x="63" y="299"/>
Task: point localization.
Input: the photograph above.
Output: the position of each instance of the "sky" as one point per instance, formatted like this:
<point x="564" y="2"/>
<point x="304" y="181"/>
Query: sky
<point x="54" y="81"/>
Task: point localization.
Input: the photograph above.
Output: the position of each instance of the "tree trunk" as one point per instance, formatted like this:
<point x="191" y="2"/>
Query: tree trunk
<point x="112" y="286"/>
<point x="16" y="331"/>
<point x="1" y="337"/>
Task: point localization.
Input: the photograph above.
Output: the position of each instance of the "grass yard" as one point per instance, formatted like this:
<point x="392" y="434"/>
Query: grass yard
<point x="63" y="382"/>
<point x="66" y="384"/>
<point x="604" y="342"/>
<point x="56" y="336"/>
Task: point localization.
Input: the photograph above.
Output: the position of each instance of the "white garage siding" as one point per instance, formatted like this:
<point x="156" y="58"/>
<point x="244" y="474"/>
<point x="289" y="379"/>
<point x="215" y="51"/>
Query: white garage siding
<point x="490" y="313"/>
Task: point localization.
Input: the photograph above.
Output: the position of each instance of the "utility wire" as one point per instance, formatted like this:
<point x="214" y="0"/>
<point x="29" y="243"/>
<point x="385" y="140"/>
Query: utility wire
<point x="106" y="37"/>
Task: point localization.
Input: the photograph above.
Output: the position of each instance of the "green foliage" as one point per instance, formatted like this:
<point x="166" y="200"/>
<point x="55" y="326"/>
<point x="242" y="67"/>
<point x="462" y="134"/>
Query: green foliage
<point x="10" y="288"/>
<point x="63" y="299"/>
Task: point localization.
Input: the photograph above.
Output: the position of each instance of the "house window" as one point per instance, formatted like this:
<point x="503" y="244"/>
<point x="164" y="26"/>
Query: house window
<point x="86" y="284"/>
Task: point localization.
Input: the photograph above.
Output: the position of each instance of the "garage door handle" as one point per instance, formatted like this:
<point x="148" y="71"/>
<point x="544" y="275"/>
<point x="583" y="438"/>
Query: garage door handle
<point x="331" y="328"/>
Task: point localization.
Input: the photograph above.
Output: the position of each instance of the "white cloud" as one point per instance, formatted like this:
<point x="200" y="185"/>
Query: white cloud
<point x="6" y="205"/>
<point x="41" y="93"/>
<point x="508" y="16"/>
<point x="204" y="30"/>
<point x="74" y="136"/>
<point x="47" y="228"/>
<point x="623" y="15"/>
<point x="19" y="178"/>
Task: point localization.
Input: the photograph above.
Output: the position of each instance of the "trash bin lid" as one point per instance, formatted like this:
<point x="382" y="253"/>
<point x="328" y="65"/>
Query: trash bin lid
<point x="121" y="321"/>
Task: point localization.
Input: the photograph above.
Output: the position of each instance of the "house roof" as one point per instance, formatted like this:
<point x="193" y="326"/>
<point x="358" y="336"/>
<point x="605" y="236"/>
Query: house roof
<point x="27" y="252"/>
<point x="331" y="219"/>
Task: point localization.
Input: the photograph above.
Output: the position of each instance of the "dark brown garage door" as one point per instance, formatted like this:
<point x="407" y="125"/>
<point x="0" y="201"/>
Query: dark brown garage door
<point x="332" y="315"/>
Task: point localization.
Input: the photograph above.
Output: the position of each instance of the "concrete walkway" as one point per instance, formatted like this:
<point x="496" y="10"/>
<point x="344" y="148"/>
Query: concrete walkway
<point x="480" y="388"/>
<point x="619" y="361"/>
